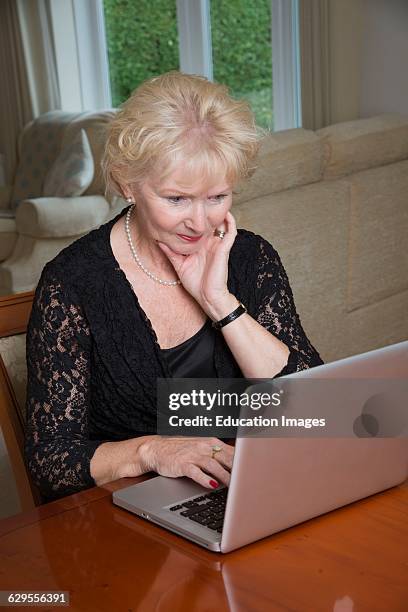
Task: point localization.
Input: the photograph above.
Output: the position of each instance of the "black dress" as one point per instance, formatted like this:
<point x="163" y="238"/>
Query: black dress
<point x="193" y="358"/>
<point x="93" y="357"/>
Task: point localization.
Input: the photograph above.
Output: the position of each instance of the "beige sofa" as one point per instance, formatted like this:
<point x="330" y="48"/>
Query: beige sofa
<point x="334" y="203"/>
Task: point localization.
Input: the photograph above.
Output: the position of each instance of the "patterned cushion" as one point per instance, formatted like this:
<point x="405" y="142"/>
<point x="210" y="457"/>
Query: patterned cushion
<point x="73" y="170"/>
<point x="39" y="145"/>
<point x="13" y="353"/>
<point x="96" y="126"/>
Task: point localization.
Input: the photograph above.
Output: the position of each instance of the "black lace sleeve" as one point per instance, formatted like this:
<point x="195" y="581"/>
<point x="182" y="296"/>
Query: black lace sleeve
<point x="277" y="311"/>
<point x="58" y="451"/>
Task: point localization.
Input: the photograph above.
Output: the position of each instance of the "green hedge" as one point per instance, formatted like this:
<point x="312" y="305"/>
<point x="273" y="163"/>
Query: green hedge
<point x="143" y="42"/>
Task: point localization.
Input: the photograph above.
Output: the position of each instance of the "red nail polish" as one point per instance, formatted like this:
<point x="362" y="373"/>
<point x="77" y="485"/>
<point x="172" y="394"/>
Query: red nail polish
<point x="213" y="484"/>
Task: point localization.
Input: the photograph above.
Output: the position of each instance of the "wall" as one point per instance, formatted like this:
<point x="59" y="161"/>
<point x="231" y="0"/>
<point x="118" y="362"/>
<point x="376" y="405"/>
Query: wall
<point x="384" y="56"/>
<point x="368" y="47"/>
<point x="345" y="26"/>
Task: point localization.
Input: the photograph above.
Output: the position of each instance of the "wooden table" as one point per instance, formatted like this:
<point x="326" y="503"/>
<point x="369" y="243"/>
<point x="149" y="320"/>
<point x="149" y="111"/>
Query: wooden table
<point x="352" y="559"/>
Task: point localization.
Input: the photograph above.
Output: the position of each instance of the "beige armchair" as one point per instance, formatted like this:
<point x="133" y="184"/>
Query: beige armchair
<point x="34" y="228"/>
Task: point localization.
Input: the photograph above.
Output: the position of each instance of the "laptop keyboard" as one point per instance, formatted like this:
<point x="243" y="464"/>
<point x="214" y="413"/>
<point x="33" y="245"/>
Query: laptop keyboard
<point x="207" y="510"/>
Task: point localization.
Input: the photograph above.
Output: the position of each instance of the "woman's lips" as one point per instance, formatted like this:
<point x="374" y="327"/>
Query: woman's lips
<point x="189" y="238"/>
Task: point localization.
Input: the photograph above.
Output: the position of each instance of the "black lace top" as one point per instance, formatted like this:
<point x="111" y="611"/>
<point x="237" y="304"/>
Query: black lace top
<point x="93" y="356"/>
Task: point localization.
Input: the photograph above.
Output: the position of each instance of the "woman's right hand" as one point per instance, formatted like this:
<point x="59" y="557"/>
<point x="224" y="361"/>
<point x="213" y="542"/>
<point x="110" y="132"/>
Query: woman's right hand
<point x="191" y="457"/>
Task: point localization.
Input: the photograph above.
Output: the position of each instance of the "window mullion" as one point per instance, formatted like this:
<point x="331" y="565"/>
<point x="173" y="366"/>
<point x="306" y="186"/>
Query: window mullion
<point x="194" y="30"/>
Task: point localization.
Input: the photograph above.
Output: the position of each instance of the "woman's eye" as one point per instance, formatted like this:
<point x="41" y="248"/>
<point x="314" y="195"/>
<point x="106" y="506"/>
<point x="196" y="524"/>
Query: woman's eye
<point x="218" y="198"/>
<point x="176" y="199"/>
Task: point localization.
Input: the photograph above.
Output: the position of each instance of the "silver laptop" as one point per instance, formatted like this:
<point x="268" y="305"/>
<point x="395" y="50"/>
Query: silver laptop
<point x="278" y="482"/>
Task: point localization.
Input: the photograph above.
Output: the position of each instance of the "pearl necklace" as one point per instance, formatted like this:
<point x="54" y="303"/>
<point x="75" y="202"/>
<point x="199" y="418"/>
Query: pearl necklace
<point x="136" y="256"/>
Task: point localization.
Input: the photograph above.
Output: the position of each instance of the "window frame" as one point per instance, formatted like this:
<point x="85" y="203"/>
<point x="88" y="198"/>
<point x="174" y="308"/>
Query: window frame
<point x="287" y="100"/>
<point x="195" y="51"/>
<point x="193" y="16"/>
<point x="93" y="66"/>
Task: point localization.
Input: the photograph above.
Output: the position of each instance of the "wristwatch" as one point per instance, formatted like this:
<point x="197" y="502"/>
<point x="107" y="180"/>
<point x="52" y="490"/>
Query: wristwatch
<point x="231" y="317"/>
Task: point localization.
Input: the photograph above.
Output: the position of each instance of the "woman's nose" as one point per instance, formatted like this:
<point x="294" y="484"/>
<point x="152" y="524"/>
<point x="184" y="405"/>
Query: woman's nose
<point x="198" y="218"/>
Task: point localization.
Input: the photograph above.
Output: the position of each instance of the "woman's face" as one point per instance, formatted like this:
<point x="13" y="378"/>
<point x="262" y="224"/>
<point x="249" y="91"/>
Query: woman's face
<point x="182" y="212"/>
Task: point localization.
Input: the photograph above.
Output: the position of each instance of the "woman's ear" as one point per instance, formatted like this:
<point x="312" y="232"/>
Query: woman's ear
<point x="130" y="190"/>
<point x="126" y="192"/>
<point x="121" y="189"/>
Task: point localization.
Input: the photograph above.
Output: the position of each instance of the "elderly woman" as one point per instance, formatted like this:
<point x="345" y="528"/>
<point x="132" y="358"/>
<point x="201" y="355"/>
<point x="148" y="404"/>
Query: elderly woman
<point x="169" y="288"/>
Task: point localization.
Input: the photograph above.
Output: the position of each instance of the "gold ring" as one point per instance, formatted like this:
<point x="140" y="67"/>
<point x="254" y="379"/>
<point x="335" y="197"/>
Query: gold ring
<point x="219" y="233"/>
<point x="215" y="450"/>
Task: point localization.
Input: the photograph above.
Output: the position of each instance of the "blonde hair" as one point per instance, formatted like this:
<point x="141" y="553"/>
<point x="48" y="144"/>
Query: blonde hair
<point x="176" y="118"/>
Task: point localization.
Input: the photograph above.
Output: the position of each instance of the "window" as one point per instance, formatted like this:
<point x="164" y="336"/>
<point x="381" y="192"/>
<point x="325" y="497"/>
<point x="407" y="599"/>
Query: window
<point x="229" y="41"/>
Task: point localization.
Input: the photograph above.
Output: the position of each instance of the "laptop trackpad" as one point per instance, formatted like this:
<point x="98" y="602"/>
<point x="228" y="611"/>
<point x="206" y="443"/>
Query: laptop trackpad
<point x="152" y="495"/>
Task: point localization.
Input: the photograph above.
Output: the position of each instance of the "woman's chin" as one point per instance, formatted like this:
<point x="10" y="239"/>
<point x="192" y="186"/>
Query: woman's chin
<point x="193" y="248"/>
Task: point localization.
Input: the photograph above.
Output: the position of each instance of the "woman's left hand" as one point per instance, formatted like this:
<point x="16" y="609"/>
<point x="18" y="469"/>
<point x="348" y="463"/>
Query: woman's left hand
<point x="204" y="274"/>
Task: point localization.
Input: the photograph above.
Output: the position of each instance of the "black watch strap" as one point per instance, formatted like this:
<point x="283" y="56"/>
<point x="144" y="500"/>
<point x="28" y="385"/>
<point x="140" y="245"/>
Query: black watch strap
<point x="231" y="317"/>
